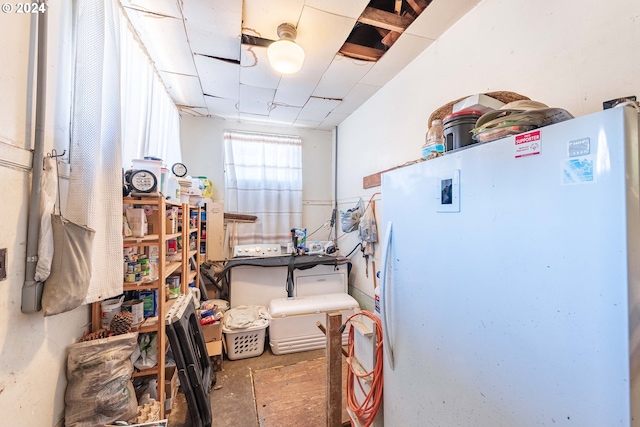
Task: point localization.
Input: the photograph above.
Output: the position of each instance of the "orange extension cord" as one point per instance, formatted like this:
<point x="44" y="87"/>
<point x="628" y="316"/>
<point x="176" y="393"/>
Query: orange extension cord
<point x="368" y="409"/>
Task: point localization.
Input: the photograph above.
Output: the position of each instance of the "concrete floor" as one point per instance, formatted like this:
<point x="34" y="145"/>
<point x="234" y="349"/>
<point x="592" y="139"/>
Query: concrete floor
<point x="232" y="397"/>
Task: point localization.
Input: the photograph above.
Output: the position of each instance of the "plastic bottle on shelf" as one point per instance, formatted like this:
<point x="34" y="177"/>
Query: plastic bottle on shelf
<point x="435" y="141"/>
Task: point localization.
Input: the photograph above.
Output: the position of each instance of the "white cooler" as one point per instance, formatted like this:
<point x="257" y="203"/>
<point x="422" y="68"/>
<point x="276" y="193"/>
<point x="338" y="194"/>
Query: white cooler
<point x="293" y="321"/>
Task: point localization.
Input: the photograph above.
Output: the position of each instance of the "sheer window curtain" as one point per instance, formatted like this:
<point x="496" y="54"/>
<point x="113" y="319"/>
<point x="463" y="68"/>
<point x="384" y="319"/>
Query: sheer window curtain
<point x="150" y="119"/>
<point x="263" y="177"/>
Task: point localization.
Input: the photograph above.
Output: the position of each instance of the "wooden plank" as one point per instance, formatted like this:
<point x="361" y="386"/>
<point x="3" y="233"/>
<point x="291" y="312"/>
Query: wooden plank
<point x="390" y="38"/>
<point x="384" y="19"/>
<point x="334" y="370"/>
<point x="294" y="395"/>
<point x="215" y="231"/>
<point x="357" y="51"/>
<point x="398" y="7"/>
<point x="375" y="179"/>
<point x="418" y="5"/>
<point x="324" y="331"/>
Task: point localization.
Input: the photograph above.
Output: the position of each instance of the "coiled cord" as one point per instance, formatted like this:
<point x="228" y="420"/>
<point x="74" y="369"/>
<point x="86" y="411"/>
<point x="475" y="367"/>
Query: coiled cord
<point x="367" y="410"/>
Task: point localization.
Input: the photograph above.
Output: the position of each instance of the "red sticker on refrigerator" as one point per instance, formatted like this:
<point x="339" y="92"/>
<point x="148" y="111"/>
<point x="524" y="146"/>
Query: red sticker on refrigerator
<point x="528" y="144"/>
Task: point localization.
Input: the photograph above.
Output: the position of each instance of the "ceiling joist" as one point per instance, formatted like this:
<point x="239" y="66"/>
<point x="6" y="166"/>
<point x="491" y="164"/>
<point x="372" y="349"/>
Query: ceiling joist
<point x="357" y="51"/>
<point x="418" y="6"/>
<point x="387" y="20"/>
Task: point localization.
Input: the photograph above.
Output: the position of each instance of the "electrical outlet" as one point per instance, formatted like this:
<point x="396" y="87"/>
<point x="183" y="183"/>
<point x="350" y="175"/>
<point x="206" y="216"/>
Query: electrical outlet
<point x="3" y="264"/>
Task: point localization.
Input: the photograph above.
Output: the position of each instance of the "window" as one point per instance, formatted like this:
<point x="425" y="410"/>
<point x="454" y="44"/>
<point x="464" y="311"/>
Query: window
<point x="263" y="177"/>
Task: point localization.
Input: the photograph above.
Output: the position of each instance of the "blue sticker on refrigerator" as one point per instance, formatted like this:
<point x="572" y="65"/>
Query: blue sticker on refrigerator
<point x="578" y="170"/>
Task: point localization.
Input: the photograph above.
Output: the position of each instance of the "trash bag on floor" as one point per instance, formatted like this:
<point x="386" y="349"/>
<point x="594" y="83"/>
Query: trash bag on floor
<point x="99" y="389"/>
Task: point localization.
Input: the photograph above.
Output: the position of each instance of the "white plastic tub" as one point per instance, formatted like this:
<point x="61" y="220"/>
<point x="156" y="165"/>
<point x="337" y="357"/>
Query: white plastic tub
<point x="293" y="321"/>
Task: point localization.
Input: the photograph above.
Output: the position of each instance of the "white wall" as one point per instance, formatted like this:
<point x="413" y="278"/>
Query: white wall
<point x="202" y="153"/>
<point x="572" y="54"/>
<point x="33" y="353"/>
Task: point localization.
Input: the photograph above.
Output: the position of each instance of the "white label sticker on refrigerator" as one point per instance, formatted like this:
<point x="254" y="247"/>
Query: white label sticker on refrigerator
<point x="528" y="144"/>
<point x="578" y="170"/>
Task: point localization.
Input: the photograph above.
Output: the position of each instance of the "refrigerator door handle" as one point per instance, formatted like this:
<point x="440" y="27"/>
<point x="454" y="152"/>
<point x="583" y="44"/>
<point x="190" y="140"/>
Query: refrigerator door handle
<point x="384" y="294"/>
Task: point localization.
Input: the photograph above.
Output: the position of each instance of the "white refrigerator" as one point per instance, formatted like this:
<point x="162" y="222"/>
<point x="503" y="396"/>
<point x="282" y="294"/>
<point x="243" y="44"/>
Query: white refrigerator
<point x="510" y="287"/>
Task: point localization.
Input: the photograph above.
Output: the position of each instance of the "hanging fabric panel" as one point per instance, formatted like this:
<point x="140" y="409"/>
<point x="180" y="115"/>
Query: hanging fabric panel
<point x="94" y="196"/>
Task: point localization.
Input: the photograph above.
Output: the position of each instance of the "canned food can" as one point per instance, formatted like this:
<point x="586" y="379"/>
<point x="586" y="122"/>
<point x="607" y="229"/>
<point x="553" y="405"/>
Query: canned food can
<point x="131" y="267"/>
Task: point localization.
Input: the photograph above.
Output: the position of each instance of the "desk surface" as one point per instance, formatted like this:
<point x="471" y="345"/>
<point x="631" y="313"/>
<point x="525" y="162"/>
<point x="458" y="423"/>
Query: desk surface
<point x="297" y="262"/>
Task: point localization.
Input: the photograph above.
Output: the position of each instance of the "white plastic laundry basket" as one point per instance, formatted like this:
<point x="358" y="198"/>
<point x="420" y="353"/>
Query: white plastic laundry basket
<point x="246" y="342"/>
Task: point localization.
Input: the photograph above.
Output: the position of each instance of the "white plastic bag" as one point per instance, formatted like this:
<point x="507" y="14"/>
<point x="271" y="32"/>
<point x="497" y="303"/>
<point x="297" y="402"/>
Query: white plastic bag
<point x="351" y="218"/>
<point x="148" y="344"/>
<point x="367" y="227"/>
<point x="368" y="230"/>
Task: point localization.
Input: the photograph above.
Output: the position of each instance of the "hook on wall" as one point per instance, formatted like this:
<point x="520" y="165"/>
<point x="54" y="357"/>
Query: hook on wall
<point x="54" y="153"/>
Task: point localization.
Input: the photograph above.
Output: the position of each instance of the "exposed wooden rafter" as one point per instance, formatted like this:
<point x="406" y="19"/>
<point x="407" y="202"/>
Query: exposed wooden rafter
<point x="418" y="6"/>
<point x="368" y="45"/>
<point x="357" y="51"/>
<point x="387" y="20"/>
<point x="390" y="38"/>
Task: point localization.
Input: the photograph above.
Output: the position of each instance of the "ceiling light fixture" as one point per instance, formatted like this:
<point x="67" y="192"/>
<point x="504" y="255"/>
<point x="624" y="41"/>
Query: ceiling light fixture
<point x="285" y="56"/>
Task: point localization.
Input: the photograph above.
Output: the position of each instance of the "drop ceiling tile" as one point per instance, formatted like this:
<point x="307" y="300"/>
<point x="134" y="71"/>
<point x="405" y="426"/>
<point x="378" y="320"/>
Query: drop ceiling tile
<point x="284" y="115"/>
<point x="317" y="109"/>
<point x="214" y="27"/>
<point x="184" y="90"/>
<point x="161" y="7"/>
<point x="403" y="51"/>
<point x="322" y="104"/>
<point x="222" y="107"/>
<point x="321" y="34"/>
<point x="166" y="42"/>
<point x="439" y="16"/>
<point x="354" y="99"/>
<point x="341" y="76"/>
<point x="350" y="9"/>
<point x="255" y="118"/>
<point x="306" y="123"/>
<point x="194" y="112"/>
<point x="295" y="89"/>
<point x="218" y="78"/>
<point x="255" y="69"/>
<point x="332" y="120"/>
<point x="261" y="18"/>
<point x="255" y="100"/>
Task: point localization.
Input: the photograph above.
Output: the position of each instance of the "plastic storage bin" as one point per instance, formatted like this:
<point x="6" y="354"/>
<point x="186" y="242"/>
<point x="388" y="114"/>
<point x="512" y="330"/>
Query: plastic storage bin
<point x="246" y="342"/>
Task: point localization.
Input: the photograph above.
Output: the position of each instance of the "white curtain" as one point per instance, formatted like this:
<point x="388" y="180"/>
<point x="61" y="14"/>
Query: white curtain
<point x="150" y="119"/>
<point x="263" y="177"/>
<point x="121" y="111"/>
<point x="94" y="196"/>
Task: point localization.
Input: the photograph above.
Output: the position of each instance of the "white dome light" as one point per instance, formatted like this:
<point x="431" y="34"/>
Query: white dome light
<point x="285" y="56"/>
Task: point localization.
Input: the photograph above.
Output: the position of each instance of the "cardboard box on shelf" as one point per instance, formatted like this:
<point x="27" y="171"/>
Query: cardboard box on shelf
<point x="212" y="332"/>
<point x="170" y="223"/>
<point x="214" y="349"/>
